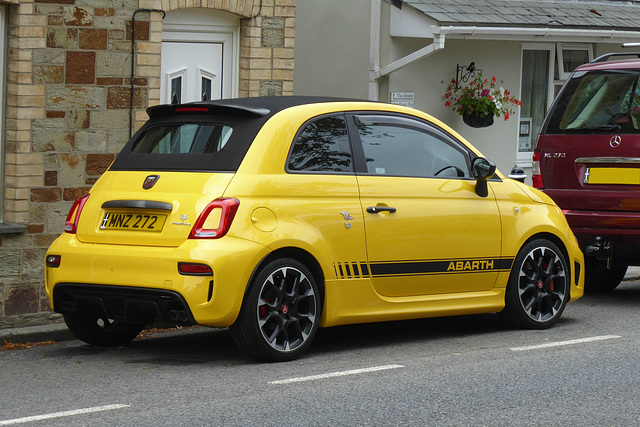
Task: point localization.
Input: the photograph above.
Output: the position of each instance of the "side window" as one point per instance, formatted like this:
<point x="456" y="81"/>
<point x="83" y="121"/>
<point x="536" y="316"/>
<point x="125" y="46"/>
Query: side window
<point x="402" y="148"/>
<point x="322" y="146"/>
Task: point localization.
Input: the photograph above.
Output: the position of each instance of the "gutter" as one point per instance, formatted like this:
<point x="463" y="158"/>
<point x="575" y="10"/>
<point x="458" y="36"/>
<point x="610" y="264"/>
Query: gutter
<point x="558" y="33"/>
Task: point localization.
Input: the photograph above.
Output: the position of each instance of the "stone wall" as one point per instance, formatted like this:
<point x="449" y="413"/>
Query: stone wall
<point x="67" y="111"/>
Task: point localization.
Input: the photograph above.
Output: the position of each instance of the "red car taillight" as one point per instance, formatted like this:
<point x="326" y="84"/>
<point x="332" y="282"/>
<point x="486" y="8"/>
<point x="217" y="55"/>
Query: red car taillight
<point x="215" y="220"/>
<point x="536" y="177"/>
<point x="71" y="224"/>
<point x="194" y="269"/>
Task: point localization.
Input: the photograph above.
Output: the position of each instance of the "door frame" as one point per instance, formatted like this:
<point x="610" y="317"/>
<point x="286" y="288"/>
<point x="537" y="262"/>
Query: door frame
<point x="207" y="26"/>
<point x="524" y="159"/>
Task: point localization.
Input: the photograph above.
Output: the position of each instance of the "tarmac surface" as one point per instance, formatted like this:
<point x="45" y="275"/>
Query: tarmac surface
<point x="59" y="332"/>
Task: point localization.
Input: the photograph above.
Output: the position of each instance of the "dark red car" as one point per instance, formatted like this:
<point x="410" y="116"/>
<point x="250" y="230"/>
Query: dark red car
<point x="587" y="159"/>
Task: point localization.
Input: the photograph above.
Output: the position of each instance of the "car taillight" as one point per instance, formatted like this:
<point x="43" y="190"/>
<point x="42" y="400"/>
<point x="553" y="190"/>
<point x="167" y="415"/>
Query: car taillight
<point x="536" y="177"/>
<point x="71" y="224"/>
<point x="53" y="261"/>
<point x="215" y="220"/>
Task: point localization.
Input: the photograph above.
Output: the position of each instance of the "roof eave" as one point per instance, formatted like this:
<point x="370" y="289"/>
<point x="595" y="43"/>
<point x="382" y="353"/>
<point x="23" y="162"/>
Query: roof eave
<point x="535" y="33"/>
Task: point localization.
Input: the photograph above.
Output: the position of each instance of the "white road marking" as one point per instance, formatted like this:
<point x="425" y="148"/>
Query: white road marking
<point x="561" y="343"/>
<point x="337" y="374"/>
<point x="62" y="414"/>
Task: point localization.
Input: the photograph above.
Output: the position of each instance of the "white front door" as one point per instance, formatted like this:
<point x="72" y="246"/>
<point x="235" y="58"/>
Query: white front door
<point x="199" y="56"/>
<point x="191" y="72"/>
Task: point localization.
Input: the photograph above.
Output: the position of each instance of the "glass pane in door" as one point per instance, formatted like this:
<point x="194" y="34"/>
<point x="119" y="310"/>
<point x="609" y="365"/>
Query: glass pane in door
<point x="176" y="90"/>
<point x="206" y="89"/>
<point x="534" y="93"/>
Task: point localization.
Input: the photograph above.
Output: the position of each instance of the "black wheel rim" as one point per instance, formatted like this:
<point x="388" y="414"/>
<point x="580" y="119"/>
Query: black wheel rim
<point x="542" y="284"/>
<point x="286" y="309"/>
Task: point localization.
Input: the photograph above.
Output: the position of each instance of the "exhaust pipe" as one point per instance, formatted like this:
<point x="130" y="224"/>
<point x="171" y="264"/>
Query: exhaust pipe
<point x="178" y="315"/>
<point x="67" y="306"/>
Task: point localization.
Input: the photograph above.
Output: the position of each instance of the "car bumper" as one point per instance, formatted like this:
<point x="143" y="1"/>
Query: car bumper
<point x="107" y="270"/>
<point x="621" y="230"/>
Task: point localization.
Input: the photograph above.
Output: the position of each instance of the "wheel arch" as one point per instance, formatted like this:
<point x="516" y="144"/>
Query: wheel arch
<point x="299" y="255"/>
<point x="563" y="248"/>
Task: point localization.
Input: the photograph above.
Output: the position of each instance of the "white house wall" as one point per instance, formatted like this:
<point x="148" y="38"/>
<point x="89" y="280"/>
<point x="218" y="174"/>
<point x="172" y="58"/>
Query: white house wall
<point x="332" y="48"/>
<point x="332" y="59"/>
<point x="425" y="79"/>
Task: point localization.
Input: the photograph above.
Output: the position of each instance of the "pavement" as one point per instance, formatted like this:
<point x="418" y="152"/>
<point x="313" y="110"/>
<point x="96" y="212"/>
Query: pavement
<point x="59" y="332"/>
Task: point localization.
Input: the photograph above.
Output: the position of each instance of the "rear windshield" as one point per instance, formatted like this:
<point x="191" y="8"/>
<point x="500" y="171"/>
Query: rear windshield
<point x="598" y="101"/>
<point x="194" y="142"/>
<point x="183" y="138"/>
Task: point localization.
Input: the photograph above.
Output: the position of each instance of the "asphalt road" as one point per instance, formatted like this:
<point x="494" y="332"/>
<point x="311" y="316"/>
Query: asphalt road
<point x="462" y="371"/>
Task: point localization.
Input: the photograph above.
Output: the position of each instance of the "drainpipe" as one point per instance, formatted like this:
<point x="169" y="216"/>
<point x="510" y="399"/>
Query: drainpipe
<point x="375" y="72"/>
<point x="133" y="60"/>
<point x="374" y="49"/>
<point x="438" y="44"/>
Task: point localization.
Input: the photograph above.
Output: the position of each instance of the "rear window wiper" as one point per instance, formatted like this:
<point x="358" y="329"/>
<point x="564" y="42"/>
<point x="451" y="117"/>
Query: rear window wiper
<point x="615" y="128"/>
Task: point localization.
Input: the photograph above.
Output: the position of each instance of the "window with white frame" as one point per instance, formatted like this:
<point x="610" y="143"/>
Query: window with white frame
<point x="545" y="68"/>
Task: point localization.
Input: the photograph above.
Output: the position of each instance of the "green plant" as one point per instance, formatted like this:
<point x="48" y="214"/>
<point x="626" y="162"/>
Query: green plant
<point x="480" y="97"/>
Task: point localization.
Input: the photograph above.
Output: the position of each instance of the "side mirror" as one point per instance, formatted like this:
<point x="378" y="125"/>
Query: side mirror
<point x="482" y="169"/>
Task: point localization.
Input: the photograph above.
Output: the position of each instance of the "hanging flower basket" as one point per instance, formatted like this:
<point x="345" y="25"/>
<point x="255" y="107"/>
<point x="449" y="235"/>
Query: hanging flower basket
<point x="476" y="121"/>
<point x="479" y="101"/>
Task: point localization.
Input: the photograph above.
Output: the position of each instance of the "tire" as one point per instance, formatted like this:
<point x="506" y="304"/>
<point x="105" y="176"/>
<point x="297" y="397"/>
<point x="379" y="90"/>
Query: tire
<point x="280" y="312"/>
<point x="599" y="279"/>
<point x="102" y="332"/>
<point x="538" y="288"/>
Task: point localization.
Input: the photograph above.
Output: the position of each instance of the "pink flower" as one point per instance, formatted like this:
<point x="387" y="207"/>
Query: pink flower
<point x="485" y="93"/>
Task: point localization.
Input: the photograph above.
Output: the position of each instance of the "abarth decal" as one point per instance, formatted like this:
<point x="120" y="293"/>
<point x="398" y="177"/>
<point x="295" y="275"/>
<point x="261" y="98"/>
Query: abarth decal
<point x="410" y="268"/>
<point x="357" y="270"/>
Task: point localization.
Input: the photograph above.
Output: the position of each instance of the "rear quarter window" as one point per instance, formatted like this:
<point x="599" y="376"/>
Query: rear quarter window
<point x="322" y="145"/>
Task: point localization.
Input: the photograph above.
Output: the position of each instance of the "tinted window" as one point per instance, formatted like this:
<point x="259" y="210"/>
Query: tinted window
<point x="598" y="101"/>
<point x="322" y="146"/>
<point x="185" y="138"/>
<point x="407" y="148"/>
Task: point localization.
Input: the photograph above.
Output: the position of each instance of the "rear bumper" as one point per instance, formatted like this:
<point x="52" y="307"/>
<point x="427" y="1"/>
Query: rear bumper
<point x="134" y="305"/>
<point x="140" y="282"/>
<point x="620" y="229"/>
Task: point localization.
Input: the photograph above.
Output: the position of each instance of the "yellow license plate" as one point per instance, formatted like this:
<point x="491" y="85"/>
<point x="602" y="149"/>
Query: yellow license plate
<point x="629" y="176"/>
<point x="134" y="221"/>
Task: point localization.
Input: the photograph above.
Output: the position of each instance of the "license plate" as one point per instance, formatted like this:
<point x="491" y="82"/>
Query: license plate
<point x="628" y="176"/>
<point x="132" y="221"/>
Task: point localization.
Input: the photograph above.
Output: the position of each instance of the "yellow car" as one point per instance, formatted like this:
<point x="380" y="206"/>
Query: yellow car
<point x="277" y="216"/>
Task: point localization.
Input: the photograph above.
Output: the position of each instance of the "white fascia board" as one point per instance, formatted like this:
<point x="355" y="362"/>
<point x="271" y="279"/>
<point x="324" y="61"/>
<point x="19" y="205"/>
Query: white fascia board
<point x="409" y="22"/>
<point x="535" y="34"/>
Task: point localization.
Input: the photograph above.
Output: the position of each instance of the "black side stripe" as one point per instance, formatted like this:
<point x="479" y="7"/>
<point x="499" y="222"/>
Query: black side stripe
<point x="408" y="268"/>
<point x="351" y="270"/>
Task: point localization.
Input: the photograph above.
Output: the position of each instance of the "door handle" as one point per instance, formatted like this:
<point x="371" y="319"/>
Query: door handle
<point x="378" y="209"/>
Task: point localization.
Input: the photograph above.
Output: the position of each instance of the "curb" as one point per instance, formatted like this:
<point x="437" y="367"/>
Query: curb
<point x="54" y="332"/>
<point x="633" y="273"/>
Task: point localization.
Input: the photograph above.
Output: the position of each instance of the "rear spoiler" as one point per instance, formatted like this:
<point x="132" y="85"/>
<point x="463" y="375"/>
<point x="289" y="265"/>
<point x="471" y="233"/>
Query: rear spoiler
<point x="207" y="107"/>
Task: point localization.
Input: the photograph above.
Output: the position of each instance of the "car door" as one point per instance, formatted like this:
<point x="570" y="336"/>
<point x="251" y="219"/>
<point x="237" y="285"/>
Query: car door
<point x="427" y="230"/>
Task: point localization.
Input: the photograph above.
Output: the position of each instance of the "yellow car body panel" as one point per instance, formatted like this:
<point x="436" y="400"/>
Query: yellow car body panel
<point x="463" y="245"/>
